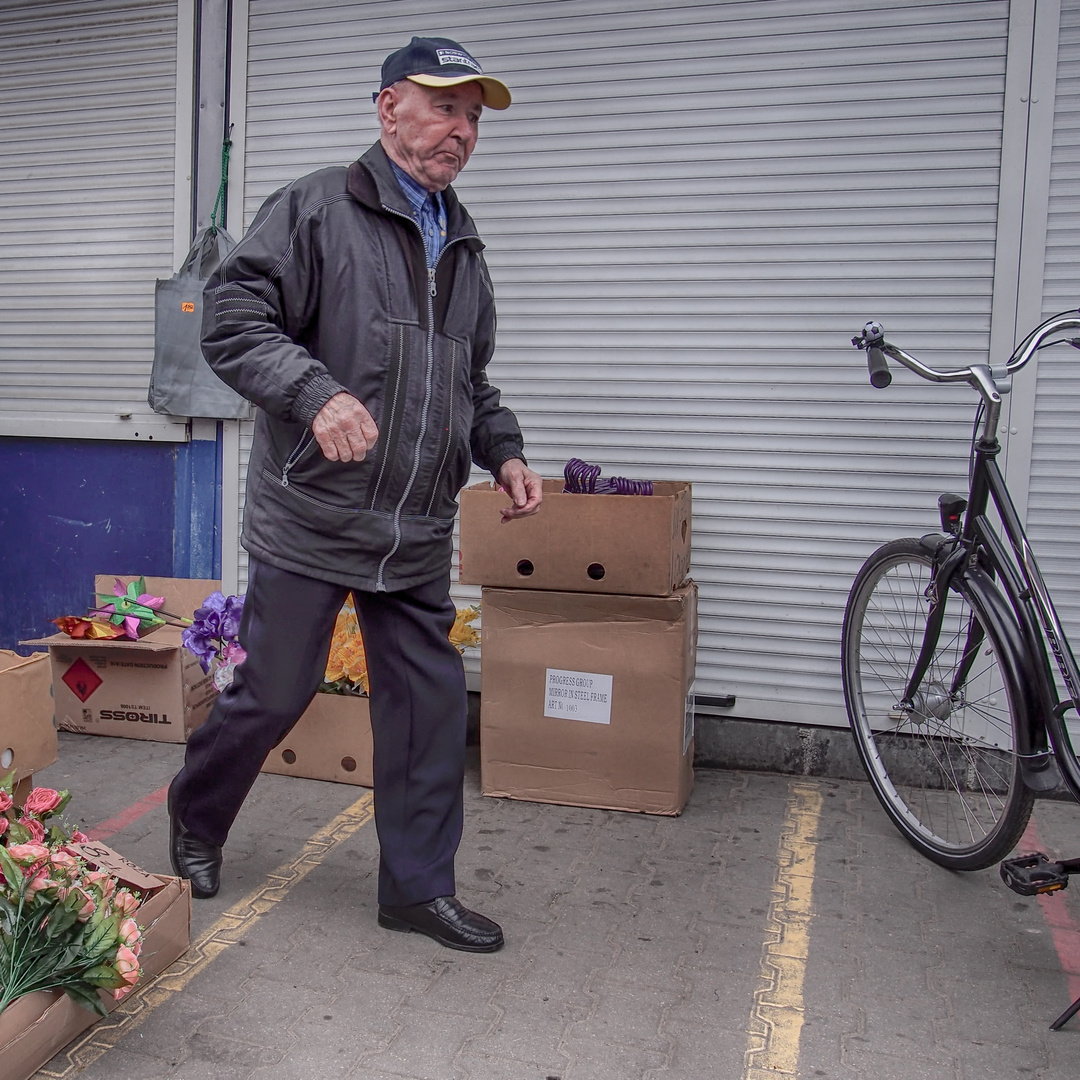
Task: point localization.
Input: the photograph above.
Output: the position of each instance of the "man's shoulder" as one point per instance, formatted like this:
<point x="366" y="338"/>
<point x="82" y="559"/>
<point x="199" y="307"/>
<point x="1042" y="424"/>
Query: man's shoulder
<point x="328" y="181"/>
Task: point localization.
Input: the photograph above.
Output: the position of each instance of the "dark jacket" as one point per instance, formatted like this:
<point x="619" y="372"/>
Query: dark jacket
<point x="329" y="291"/>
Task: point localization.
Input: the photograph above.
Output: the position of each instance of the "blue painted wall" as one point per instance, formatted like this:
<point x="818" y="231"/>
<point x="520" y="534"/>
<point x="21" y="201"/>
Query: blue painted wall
<point x="73" y="509"/>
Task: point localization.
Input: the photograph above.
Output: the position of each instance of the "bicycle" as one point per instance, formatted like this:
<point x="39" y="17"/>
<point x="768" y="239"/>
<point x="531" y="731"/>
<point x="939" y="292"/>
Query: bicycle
<point x="945" y="657"/>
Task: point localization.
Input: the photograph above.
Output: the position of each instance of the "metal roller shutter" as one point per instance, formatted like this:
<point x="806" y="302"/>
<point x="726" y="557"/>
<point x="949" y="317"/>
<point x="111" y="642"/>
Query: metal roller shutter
<point x="90" y="92"/>
<point x="1054" y="500"/>
<point x="689" y="211"/>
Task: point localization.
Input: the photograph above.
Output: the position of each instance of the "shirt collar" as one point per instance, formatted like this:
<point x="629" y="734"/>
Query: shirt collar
<point x="415" y="192"/>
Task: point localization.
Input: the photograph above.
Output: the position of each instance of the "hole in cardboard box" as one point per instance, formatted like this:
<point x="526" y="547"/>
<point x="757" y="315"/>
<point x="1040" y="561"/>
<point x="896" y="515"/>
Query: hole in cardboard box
<point x="348" y="764"/>
<point x="685" y="524"/>
<point x="596" y="571"/>
<point x="524" y="568"/>
<point x="288" y="756"/>
<point x="7" y="756"/>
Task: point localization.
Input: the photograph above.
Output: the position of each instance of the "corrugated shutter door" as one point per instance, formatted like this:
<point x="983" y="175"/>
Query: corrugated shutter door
<point x="1054" y="498"/>
<point x="87" y="196"/>
<point x="689" y="211"/>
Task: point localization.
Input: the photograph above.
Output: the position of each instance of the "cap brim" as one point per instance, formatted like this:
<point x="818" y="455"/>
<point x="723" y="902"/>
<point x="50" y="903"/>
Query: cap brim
<point x="496" y="94"/>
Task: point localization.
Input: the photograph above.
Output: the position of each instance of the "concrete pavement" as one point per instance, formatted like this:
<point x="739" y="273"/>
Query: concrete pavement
<point x="779" y="927"/>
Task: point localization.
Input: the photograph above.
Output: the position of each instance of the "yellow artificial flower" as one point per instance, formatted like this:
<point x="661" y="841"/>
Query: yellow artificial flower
<point x="462" y="634"/>
<point x="347" y="660"/>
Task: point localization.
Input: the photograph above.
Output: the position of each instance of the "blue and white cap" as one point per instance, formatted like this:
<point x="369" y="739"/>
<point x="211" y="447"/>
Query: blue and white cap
<point x="441" y="62"/>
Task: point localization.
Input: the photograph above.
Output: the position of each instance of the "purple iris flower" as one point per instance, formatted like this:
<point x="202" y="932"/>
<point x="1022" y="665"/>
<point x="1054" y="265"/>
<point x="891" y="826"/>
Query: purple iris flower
<point x="215" y="626"/>
<point x="203" y="648"/>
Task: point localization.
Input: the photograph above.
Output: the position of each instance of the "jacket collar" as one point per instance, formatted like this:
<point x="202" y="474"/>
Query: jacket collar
<point x="373" y="184"/>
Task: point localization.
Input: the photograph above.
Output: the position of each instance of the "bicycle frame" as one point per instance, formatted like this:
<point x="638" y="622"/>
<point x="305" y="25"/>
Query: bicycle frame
<point x="1018" y="575"/>
<point x="1023" y="584"/>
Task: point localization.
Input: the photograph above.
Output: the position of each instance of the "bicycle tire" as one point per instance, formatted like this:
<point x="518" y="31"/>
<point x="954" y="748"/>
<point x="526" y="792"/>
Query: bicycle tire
<point x="945" y="771"/>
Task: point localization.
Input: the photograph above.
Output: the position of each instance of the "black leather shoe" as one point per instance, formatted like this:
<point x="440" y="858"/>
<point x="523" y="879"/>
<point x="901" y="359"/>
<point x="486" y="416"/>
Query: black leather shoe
<point x="446" y="920"/>
<point x="192" y="859"/>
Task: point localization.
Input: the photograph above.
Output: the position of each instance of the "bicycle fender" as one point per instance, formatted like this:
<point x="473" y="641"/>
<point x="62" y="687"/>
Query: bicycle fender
<point x="1036" y="761"/>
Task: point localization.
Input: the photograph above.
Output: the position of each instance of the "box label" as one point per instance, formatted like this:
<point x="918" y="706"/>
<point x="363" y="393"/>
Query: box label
<point x="578" y="695"/>
<point x="81" y="679"/>
<point x="103" y="857"/>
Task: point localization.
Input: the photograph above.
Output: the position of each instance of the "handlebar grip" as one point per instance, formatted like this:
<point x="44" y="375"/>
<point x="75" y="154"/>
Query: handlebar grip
<point x="880" y="376"/>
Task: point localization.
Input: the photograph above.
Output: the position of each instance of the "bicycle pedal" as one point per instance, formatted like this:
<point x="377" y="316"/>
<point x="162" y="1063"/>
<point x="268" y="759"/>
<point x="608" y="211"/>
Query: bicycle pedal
<point x="1031" y="875"/>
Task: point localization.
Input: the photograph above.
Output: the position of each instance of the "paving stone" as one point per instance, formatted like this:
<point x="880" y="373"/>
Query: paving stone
<point x="264" y="1013"/>
<point x="600" y="1060"/>
<point x="528" y="1029"/>
<point x="426" y="1044"/>
<point x="634" y="943"/>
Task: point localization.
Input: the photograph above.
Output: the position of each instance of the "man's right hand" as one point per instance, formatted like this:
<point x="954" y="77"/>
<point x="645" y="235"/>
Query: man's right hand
<point x="344" y="429"/>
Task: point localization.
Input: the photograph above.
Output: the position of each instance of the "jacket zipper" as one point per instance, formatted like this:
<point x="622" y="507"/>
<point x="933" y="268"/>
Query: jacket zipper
<point x="432" y="291"/>
<point x="448" y="441"/>
<point x="305" y="441"/>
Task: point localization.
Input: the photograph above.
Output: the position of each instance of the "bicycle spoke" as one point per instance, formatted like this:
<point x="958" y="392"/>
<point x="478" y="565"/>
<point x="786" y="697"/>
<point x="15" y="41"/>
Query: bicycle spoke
<point x="942" y="762"/>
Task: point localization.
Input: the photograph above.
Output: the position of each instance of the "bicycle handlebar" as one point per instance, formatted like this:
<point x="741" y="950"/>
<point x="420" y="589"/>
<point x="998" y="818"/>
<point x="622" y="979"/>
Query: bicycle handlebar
<point x="880" y="375"/>
<point x="877" y="348"/>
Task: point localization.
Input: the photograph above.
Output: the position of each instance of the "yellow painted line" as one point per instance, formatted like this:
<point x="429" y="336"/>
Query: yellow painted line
<point x="776" y="1019"/>
<point x="227" y="930"/>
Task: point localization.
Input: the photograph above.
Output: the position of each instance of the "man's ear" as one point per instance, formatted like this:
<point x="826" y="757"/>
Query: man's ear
<point x="387" y="103"/>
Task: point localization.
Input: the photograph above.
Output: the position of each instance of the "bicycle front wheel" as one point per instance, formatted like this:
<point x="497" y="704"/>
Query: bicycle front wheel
<point x="944" y="765"/>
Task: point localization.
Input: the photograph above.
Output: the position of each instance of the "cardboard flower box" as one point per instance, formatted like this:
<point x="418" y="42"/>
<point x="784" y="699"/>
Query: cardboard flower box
<point x="331" y="741"/>
<point x="38" y="1026"/>
<point x="636" y="545"/>
<point x="152" y="688"/>
<point x="27" y="731"/>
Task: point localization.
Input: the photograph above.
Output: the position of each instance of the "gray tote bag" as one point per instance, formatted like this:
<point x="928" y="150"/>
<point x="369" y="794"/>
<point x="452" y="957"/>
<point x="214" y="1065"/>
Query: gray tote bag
<point x="181" y="382"/>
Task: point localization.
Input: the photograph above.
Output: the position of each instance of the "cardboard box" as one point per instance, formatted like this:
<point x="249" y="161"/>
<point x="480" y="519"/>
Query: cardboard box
<point x="331" y="741"/>
<point x="27" y="731"/>
<point x="38" y="1026"/>
<point x="587" y="700"/>
<point x="636" y="545"/>
<point x="152" y="688"/>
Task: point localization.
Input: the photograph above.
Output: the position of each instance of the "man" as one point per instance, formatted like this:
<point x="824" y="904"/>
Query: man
<point x="358" y="315"/>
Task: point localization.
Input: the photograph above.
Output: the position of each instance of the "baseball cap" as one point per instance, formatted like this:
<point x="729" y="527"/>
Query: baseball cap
<point x="441" y="62"/>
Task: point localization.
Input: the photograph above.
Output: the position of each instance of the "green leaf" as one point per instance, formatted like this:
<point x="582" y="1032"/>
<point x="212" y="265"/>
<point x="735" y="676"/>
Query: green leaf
<point x="86" y="997"/>
<point x="105" y="976"/>
<point x="18" y="834"/>
<point x="12" y="871"/>
<point x="60" y="921"/>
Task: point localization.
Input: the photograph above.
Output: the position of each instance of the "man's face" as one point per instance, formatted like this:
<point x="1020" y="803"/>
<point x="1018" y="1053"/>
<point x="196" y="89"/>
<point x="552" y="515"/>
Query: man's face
<point x="430" y="131"/>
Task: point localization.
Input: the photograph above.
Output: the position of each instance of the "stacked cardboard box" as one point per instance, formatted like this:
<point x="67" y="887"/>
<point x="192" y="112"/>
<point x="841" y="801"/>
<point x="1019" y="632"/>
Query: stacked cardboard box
<point x="589" y="647"/>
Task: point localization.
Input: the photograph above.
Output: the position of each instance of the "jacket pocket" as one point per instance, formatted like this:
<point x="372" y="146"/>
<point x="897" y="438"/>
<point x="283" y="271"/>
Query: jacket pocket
<point x="307" y="440"/>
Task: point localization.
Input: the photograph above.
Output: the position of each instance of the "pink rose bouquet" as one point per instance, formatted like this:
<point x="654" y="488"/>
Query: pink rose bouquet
<point x="62" y="925"/>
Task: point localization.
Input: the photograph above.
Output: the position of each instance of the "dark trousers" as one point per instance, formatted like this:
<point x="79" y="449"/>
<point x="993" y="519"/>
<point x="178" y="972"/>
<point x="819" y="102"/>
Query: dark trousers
<point x="418" y="718"/>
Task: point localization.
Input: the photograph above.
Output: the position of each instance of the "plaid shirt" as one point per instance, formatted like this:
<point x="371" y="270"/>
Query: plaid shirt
<point x="429" y="212"/>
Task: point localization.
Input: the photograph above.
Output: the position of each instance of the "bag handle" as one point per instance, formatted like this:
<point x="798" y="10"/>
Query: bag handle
<point x="213" y="243"/>
<point x="210" y="247"/>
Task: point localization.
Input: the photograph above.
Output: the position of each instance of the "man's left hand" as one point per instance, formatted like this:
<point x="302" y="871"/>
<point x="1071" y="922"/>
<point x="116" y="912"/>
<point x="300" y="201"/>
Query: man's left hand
<point x="523" y="485"/>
